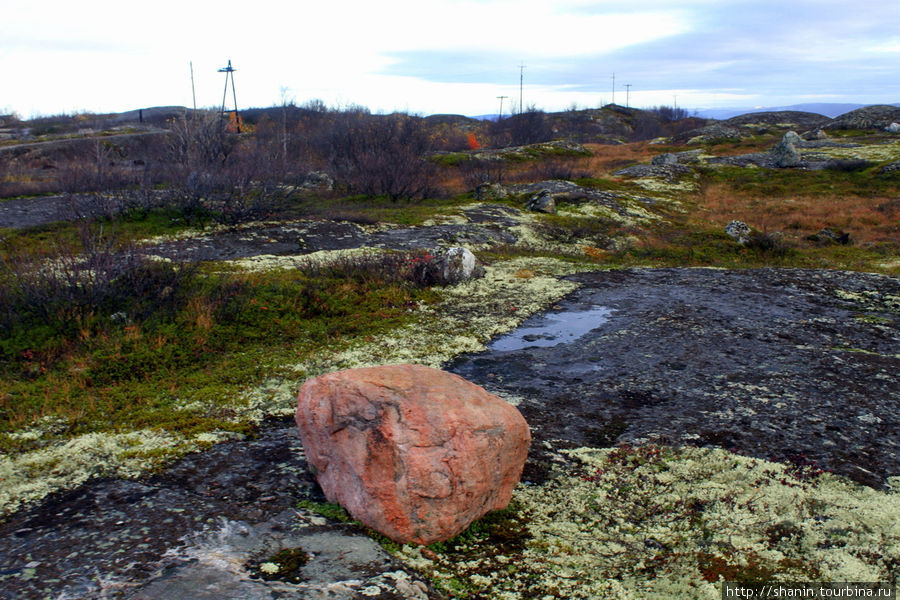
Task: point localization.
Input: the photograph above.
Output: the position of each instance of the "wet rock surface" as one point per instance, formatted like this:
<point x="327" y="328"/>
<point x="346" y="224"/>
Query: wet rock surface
<point x="788" y="365"/>
<point x="195" y="531"/>
<point x="793" y="365"/>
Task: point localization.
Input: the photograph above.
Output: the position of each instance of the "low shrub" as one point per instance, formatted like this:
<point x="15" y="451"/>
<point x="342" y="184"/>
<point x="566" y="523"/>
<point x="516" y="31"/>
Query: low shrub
<point x="848" y="164"/>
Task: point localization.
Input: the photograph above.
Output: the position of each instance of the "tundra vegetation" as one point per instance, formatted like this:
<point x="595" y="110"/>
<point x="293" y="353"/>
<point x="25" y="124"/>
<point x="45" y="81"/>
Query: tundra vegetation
<point x="115" y="360"/>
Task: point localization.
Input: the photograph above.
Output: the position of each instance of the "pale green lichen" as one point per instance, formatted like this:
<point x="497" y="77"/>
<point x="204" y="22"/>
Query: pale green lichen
<point x="655" y="523"/>
<point x="654" y="184"/>
<point x="30" y="476"/>
<point x="871" y="299"/>
<point x="33" y="475"/>
<point x="874" y="152"/>
<point x="269" y="568"/>
<point x="271" y="262"/>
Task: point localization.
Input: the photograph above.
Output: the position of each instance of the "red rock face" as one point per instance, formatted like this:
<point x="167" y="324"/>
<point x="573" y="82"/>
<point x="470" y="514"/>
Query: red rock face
<point x="415" y="453"/>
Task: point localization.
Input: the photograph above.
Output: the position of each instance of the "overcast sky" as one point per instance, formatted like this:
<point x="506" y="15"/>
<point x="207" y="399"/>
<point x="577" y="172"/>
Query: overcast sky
<point x="447" y="56"/>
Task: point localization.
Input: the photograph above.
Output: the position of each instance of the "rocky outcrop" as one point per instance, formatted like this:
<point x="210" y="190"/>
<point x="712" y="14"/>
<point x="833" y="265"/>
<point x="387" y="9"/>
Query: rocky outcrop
<point x="794" y="119"/>
<point x="561" y="190"/>
<point x="666" y="158"/>
<point x="869" y="117"/>
<point x="710" y="134"/>
<point x="676" y="158"/>
<point x="669" y="172"/>
<point x="415" y="453"/>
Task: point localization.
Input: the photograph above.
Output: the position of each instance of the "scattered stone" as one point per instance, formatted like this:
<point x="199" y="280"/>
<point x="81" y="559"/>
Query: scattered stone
<point x="490" y="191"/>
<point x="792" y="137"/>
<point x="542" y="202"/>
<point x="785" y="152"/>
<point x="831" y="236"/>
<point x="893" y="128"/>
<point x="458" y="265"/>
<point x="415" y="453"/>
<point x="814" y="135"/>
<point x="317" y="180"/>
<point x="738" y="230"/>
<point x="892" y="167"/>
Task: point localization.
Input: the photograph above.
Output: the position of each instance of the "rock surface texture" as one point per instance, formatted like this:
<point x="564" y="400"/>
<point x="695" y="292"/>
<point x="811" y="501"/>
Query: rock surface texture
<point x="415" y="453"/>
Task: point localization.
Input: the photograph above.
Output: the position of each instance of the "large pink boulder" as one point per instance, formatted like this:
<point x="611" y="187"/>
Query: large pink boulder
<point x="415" y="453"/>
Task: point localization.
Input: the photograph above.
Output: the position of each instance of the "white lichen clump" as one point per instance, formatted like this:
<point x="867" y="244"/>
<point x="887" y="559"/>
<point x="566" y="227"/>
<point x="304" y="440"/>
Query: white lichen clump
<point x="655" y="523"/>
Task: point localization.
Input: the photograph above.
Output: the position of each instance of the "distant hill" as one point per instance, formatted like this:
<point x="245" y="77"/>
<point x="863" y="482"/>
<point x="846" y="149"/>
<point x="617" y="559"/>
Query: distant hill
<point x="828" y="109"/>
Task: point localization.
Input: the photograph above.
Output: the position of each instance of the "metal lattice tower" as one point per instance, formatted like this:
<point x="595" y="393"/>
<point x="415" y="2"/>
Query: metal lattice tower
<point x="229" y="72"/>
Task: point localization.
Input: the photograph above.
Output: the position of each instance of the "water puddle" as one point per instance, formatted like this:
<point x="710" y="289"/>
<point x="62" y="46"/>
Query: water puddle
<point x="555" y="328"/>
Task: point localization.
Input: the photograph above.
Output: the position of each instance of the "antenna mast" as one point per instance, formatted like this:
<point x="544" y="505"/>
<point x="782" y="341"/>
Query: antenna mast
<point x="521" y="82"/>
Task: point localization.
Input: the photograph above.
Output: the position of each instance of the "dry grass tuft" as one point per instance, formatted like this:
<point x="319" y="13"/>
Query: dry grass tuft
<point x="869" y="220"/>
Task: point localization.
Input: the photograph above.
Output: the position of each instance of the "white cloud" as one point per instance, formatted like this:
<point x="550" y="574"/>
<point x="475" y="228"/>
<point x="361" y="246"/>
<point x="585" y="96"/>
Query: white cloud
<point x="103" y="55"/>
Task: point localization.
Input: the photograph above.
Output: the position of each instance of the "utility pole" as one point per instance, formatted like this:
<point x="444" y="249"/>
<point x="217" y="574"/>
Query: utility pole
<point x="193" y="89"/>
<point x="614" y="89"/>
<point x="627" y="95"/>
<point x="521" y="82"/>
<point x="229" y="72"/>
<point x="500" y="116"/>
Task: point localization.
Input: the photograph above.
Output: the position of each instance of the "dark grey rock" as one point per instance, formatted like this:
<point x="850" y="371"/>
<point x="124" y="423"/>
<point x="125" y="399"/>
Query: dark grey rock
<point x="543" y="202"/>
<point x="667" y="158"/>
<point x="785" y="153"/>
<point x="738" y="230"/>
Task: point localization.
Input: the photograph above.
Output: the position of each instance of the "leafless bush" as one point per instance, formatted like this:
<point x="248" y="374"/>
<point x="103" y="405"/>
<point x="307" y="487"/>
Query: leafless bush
<point x="200" y="139"/>
<point x="669" y="114"/>
<point x="81" y="283"/>
<point x="769" y="243"/>
<point x="382" y="155"/>
<point x="220" y="178"/>
<point x="646" y="127"/>
<point x="569" y="168"/>
<point x="529" y="127"/>
<point x="477" y="171"/>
